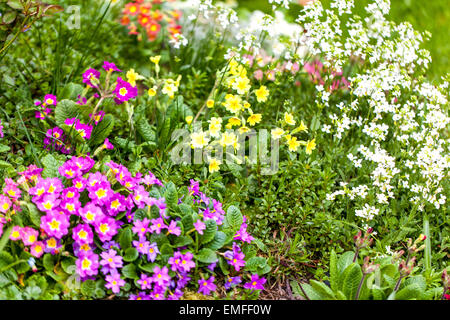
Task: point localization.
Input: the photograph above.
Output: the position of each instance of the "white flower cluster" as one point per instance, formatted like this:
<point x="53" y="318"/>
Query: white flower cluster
<point x="390" y="102"/>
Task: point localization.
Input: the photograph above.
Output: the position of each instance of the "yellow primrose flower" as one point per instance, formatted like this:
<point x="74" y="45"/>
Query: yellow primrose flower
<point x="210" y="103"/>
<point x="152" y="92"/>
<point x="254" y="118"/>
<point x="215" y="125"/>
<point x="246" y="105"/>
<point x="132" y="76"/>
<point x="198" y="140"/>
<point x="310" y="146"/>
<point x="261" y="94"/>
<point x="293" y="144"/>
<point x="228" y="139"/>
<point x="232" y="103"/>
<point x="234" y="121"/>
<point x="155" y="59"/>
<point x="289" y="119"/>
<point x="244" y="129"/>
<point x="214" y="165"/>
<point x="242" y="85"/>
<point x="277" y="133"/>
<point x="189" y="119"/>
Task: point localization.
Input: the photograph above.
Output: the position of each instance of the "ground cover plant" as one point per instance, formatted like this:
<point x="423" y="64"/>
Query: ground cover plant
<point x="211" y="150"/>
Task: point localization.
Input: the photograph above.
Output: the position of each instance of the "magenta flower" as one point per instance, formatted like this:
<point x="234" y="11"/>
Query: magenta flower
<point x="106" y="228"/>
<point x="161" y="276"/>
<point x="140" y="197"/>
<point x="91" y="213"/>
<point x="1" y="130"/>
<point x="5" y="203"/>
<point x="152" y="252"/>
<point x="142" y="246"/>
<point x="157" y="225"/>
<point x="194" y="187"/>
<point x="182" y="263"/>
<point x="82" y="233"/>
<point x="124" y="91"/>
<point x="114" y="282"/>
<point x="69" y="170"/>
<point x="52" y="245"/>
<point x="29" y="236"/>
<point x="55" y="224"/>
<point x="37" y="249"/>
<point x="100" y="193"/>
<point x="173" y="228"/>
<point x="91" y="76"/>
<point x="232" y="281"/>
<point x="79" y="183"/>
<point x="256" y="283"/>
<point x="97" y="117"/>
<point x="199" y="226"/>
<point x="141" y="227"/>
<point x="70" y="206"/>
<point x="235" y="257"/>
<point x="145" y="282"/>
<point x="16" y="233"/>
<point x="150" y="179"/>
<point x="116" y="204"/>
<point x="87" y="264"/>
<point x="206" y="286"/>
<point x="48" y="203"/>
<point x="110" y="66"/>
<point x="110" y="261"/>
<point x="50" y="100"/>
<point x="108" y="145"/>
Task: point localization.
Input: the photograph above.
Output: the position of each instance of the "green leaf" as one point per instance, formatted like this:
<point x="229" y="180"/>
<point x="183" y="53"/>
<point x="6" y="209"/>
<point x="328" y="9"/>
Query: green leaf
<point x="5" y="259"/>
<point x="71" y="91"/>
<point x="88" y="288"/>
<point x="102" y="130"/>
<point x="171" y="195"/>
<point x="206" y="255"/>
<point x="125" y="238"/>
<point x="410" y="292"/>
<point x="182" y="241"/>
<point x="9" y="276"/>
<point x="131" y="254"/>
<point x="148" y="267"/>
<point x="66" y="109"/>
<point x="323" y="290"/>
<point x="218" y="242"/>
<point x="146" y="131"/>
<point x="234" y="217"/>
<point x="254" y="263"/>
<point x="33" y="214"/>
<point x="4" y="148"/>
<point x="49" y="262"/>
<point x="51" y="165"/>
<point x="33" y="292"/>
<point x="333" y="271"/>
<point x="5" y="164"/>
<point x="188" y="222"/>
<point x="129" y="271"/>
<point x="343" y="262"/>
<point x="352" y="277"/>
<point x="166" y="249"/>
<point x="210" y="231"/>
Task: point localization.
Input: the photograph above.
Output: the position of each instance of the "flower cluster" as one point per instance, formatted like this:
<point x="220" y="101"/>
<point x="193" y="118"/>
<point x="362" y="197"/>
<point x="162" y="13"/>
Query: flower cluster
<point x="88" y="213"/>
<point x="149" y="17"/>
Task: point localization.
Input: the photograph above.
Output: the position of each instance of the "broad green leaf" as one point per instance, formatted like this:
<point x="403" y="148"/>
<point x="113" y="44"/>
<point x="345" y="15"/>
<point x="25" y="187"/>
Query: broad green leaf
<point x="88" y="288"/>
<point x="66" y="109"/>
<point x="129" y="271"/>
<point x="102" y="130"/>
<point x="206" y="255"/>
<point x="323" y="289"/>
<point x="234" y="217"/>
<point x="352" y="277"/>
<point x="131" y="254"/>
<point x="410" y="292"/>
<point x="218" y="241"/>
<point x="333" y="271"/>
<point x="210" y="231"/>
